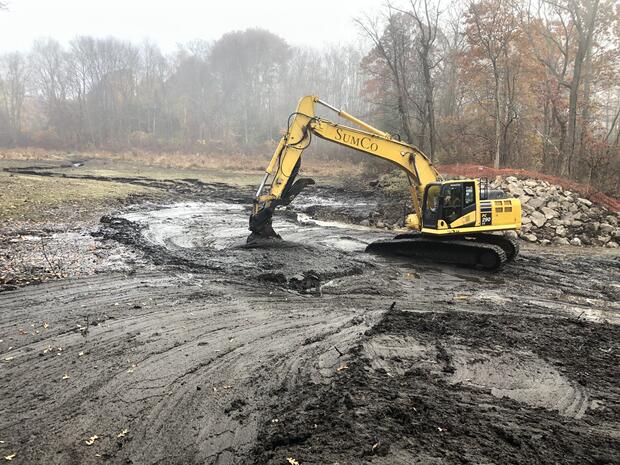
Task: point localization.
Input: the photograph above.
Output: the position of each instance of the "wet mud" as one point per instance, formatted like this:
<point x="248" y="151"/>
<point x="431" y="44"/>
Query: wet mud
<point x="204" y="350"/>
<point x="457" y="388"/>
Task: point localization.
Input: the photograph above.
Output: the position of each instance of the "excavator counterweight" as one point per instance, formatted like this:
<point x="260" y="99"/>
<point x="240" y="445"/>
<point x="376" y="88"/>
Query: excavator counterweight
<point x="454" y="221"/>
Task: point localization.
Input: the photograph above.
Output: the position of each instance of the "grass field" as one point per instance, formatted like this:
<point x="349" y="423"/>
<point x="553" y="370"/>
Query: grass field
<point x="38" y="198"/>
<point x="313" y="163"/>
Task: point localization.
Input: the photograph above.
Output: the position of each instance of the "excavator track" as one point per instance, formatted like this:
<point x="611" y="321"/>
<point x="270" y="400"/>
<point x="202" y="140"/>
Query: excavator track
<point x="508" y="244"/>
<point x="467" y="252"/>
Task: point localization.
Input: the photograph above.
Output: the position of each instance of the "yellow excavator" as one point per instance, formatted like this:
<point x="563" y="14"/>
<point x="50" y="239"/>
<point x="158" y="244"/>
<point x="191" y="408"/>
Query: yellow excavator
<point x="453" y="221"/>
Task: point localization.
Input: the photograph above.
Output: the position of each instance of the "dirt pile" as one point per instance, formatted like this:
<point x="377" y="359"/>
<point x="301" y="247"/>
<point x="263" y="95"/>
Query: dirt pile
<point x="552" y="215"/>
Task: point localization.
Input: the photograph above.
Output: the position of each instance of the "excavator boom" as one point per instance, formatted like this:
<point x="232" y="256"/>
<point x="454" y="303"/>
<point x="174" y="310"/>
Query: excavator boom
<point x="303" y="124"/>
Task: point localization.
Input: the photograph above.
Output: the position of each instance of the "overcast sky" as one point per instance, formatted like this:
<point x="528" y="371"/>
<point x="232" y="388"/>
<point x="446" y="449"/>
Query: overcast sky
<point x="300" y="22"/>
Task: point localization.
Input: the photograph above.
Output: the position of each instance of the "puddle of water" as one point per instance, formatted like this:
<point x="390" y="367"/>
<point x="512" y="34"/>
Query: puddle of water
<point x="29" y="237"/>
<point x="492" y="296"/>
<point x="306" y="220"/>
<point x="312" y="200"/>
<point x="193" y="225"/>
<point x="410" y="276"/>
<point x="218" y="225"/>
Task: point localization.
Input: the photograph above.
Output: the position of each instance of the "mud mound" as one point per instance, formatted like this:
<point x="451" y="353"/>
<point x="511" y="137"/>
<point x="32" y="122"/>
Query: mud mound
<point x="428" y="388"/>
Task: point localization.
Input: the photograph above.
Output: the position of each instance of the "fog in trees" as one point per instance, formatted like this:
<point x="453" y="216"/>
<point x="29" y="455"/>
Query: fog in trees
<point x="498" y="82"/>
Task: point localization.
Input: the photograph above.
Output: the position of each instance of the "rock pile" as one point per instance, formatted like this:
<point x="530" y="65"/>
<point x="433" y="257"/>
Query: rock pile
<point x="552" y="215"/>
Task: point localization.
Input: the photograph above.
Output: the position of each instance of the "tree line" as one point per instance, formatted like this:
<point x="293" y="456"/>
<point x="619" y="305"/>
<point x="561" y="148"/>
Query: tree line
<point x="234" y="93"/>
<point x="521" y="83"/>
<point x="531" y="84"/>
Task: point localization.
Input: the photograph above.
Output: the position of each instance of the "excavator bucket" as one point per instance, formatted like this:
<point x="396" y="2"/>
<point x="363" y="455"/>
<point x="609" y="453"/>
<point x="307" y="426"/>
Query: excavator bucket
<point x="261" y="227"/>
<point x="261" y="223"/>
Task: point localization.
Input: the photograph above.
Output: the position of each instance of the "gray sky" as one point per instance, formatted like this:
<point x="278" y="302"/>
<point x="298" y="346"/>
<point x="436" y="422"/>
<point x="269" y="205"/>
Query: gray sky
<point x="300" y="22"/>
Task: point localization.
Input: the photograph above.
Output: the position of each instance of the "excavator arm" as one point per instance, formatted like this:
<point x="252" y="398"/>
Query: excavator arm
<point x="280" y="186"/>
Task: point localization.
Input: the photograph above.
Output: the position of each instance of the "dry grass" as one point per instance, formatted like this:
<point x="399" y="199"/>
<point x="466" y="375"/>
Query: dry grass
<point x="312" y="165"/>
<point x="25" y="198"/>
<point x="37" y="198"/>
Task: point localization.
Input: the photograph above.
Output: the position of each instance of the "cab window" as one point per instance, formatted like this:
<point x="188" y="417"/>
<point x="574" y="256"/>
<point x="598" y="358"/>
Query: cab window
<point x="432" y="198"/>
<point x="470" y="195"/>
<point x="452" y="202"/>
<point x="452" y="196"/>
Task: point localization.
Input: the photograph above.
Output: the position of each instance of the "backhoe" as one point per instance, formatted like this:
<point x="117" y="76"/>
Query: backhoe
<point x="454" y="221"/>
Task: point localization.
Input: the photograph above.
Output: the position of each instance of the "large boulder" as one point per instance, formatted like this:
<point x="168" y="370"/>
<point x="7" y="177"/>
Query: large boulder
<point x="606" y="228"/>
<point x="536" y="202"/>
<point x="515" y="190"/>
<point x="604" y="239"/>
<point x="549" y="212"/>
<point x="538" y="219"/>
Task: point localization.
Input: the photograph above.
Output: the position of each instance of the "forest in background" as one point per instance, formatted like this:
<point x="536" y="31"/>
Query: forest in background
<point x="505" y="83"/>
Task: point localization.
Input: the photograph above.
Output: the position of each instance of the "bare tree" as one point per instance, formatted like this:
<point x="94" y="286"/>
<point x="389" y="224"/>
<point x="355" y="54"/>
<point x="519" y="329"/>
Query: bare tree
<point x="47" y="63"/>
<point x="392" y="47"/>
<point x="491" y="28"/>
<point x="569" y="25"/>
<point x="13" y="77"/>
<point x="426" y="19"/>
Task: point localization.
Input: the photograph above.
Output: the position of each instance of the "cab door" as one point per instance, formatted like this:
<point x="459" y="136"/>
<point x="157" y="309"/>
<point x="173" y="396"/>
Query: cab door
<point x="451" y="202"/>
<point x="457" y="201"/>
<point x="469" y="201"/>
<point x="431" y="210"/>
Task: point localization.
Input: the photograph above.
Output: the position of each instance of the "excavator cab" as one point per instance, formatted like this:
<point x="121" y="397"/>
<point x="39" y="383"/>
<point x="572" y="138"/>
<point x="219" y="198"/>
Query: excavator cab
<point x="448" y="202"/>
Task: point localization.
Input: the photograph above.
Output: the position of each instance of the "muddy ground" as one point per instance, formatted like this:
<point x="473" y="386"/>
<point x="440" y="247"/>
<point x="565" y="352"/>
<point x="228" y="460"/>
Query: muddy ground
<point x="177" y="344"/>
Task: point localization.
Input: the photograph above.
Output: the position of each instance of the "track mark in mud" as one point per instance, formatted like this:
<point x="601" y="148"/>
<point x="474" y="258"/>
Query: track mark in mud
<point x="578" y="349"/>
<point x="396" y="401"/>
<point x="523" y="377"/>
<point x="186" y="362"/>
